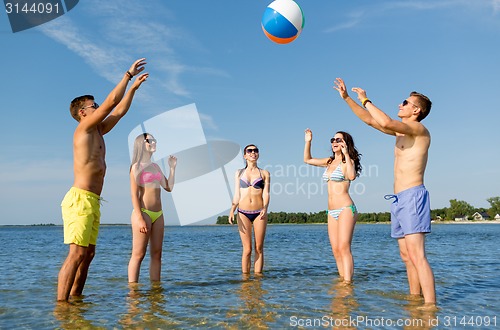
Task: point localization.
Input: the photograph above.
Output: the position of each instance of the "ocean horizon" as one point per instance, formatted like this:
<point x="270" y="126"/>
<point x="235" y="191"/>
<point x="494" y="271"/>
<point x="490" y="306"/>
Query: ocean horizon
<point x="434" y="222"/>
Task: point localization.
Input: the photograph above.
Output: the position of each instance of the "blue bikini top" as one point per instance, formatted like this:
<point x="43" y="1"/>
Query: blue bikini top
<point x="336" y="175"/>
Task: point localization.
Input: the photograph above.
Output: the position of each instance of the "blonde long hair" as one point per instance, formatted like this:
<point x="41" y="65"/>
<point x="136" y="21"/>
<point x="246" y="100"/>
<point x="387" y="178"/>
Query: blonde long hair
<point x="139" y="149"/>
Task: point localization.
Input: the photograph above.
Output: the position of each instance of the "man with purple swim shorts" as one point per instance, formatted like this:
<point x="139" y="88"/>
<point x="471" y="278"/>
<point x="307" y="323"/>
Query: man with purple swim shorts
<point x="410" y="211"/>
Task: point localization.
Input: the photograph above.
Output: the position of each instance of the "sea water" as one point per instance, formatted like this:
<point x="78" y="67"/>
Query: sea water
<point x="202" y="285"/>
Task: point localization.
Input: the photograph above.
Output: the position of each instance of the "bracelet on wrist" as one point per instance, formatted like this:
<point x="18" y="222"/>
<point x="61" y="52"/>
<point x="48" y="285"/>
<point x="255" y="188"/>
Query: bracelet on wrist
<point x="130" y="76"/>
<point x="365" y="101"/>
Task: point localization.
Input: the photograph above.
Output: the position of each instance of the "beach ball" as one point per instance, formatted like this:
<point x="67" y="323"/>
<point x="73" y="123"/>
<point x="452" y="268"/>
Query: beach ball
<point x="283" y="21"/>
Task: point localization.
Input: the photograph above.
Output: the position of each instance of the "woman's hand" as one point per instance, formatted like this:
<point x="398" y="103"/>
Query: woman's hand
<point x="343" y="148"/>
<point x="308" y="135"/>
<point x="172" y="161"/>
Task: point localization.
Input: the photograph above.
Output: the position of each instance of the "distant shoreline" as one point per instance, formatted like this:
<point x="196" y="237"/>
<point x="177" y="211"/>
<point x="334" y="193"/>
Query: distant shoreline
<point x="468" y="222"/>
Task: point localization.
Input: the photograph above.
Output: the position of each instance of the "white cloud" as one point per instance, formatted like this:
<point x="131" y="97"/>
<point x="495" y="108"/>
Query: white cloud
<point x="118" y="29"/>
<point x="496" y="5"/>
<point x="208" y="122"/>
<point x="360" y="14"/>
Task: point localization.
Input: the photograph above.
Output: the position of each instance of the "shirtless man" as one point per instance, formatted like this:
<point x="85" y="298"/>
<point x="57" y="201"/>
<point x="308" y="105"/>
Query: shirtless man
<point x="410" y="211"/>
<point x="81" y="205"/>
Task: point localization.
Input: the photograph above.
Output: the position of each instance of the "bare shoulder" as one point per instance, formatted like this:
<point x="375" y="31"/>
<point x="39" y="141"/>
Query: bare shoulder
<point x="418" y="129"/>
<point x="134" y="168"/>
<point x="266" y="174"/>
<point x="83" y="130"/>
<point x="81" y="134"/>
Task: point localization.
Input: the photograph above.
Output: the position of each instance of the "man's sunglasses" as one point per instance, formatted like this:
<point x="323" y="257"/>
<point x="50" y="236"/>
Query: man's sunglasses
<point x="405" y="102"/>
<point x="93" y="105"/>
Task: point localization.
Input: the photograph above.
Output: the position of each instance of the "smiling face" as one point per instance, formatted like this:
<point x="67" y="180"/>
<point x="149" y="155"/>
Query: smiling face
<point x="251" y="153"/>
<point x="337" y="141"/>
<point x="150" y="143"/>
<point x="409" y="107"/>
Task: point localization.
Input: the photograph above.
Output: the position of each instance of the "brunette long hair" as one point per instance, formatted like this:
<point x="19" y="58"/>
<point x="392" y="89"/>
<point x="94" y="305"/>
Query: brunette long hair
<point x="353" y="152"/>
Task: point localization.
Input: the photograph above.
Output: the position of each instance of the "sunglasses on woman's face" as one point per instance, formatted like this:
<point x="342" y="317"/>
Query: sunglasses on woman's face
<point x="150" y="141"/>
<point x="251" y="150"/>
<point x="336" y="140"/>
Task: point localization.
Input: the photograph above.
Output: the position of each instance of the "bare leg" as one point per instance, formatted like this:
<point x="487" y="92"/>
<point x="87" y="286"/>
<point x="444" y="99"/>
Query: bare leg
<point x="411" y="271"/>
<point x="156" y="248"/>
<point x="245" y="229"/>
<point x="345" y="230"/>
<point x="139" y="247"/>
<point x="81" y="274"/>
<point x="259" y="228"/>
<point x="415" y="245"/>
<point x="68" y="271"/>
<point x="333" y="229"/>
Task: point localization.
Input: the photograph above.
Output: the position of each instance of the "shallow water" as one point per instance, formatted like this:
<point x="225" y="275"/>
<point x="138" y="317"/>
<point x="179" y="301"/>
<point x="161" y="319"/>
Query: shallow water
<point x="202" y="286"/>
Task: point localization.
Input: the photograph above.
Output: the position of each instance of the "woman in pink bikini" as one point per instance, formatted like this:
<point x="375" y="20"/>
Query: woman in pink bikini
<point x="146" y="181"/>
<point x="340" y="169"/>
<point x="251" y="200"/>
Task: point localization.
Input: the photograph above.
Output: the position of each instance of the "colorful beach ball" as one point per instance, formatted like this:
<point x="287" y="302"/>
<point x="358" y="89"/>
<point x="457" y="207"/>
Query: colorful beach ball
<point x="283" y="21"/>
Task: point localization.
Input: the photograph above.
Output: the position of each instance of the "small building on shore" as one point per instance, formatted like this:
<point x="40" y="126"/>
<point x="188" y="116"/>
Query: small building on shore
<point x="480" y="216"/>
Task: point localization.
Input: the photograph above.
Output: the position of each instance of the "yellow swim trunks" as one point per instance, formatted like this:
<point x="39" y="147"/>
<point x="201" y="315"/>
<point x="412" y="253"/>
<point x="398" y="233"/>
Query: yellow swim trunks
<point x="81" y="217"/>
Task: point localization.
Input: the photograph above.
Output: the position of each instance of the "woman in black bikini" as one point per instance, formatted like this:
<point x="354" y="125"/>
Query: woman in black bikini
<point x="251" y="200"/>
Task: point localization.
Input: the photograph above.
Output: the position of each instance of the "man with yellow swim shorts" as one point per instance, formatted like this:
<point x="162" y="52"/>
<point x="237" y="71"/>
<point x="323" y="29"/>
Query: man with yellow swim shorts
<point x="81" y="215"/>
<point x="80" y="207"/>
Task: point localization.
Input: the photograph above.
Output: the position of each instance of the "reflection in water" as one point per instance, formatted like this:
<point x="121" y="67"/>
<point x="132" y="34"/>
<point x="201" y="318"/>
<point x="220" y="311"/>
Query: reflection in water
<point x="146" y="308"/>
<point x="253" y="311"/>
<point x="71" y="315"/>
<point x="420" y="317"/>
<point x="343" y="304"/>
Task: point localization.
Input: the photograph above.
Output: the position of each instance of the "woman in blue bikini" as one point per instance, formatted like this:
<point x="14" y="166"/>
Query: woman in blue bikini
<point x="146" y="181"/>
<point x="251" y="200"/>
<point x="340" y="169"/>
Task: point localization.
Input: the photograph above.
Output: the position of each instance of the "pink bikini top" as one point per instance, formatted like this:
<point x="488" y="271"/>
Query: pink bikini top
<point x="150" y="177"/>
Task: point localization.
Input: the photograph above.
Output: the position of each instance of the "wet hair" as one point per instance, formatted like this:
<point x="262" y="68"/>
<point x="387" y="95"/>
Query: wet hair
<point x="77" y="104"/>
<point x="353" y="152"/>
<point x="139" y="148"/>
<point x="424" y="103"/>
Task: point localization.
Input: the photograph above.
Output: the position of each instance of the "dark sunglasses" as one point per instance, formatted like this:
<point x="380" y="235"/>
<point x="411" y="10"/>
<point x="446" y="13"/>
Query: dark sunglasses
<point x="150" y="141"/>
<point x="405" y="102"/>
<point x="93" y="105"/>
<point x="336" y="140"/>
<point x="250" y="150"/>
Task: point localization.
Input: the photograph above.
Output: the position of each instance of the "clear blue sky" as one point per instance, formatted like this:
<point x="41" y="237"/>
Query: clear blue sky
<point x="250" y="90"/>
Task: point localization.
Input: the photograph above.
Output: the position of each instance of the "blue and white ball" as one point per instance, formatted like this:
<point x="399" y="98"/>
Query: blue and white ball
<point x="283" y="21"/>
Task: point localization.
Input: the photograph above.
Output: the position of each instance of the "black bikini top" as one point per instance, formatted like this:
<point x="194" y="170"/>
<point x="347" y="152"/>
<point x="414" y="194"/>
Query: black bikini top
<point x="257" y="183"/>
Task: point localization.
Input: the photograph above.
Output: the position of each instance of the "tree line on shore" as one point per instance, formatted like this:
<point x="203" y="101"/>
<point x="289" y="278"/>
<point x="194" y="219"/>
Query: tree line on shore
<point x="456" y="209"/>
